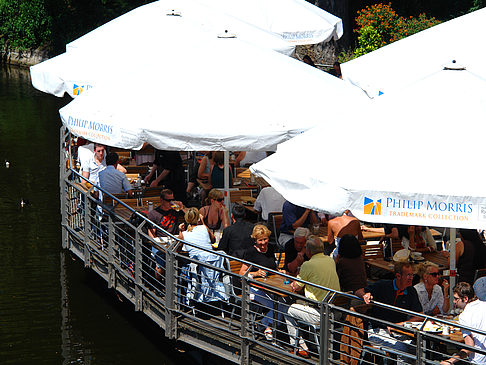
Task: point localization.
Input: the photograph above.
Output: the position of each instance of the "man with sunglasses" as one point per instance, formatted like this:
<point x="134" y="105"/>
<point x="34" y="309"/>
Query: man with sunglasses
<point x="398" y="292"/>
<point x="165" y="215"/>
<point x="474" y="316"/>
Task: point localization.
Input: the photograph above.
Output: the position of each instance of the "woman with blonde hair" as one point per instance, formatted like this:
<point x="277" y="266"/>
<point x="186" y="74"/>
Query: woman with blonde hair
<point x="433" y="297"/>
<point x="263" y="255"/>
<point x="215" y="213"/>
<point x="200" y="237"/>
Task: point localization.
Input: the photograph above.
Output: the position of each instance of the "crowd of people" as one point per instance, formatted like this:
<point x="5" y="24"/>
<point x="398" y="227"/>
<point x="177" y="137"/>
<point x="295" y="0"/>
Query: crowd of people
<point x="337" y="264"/>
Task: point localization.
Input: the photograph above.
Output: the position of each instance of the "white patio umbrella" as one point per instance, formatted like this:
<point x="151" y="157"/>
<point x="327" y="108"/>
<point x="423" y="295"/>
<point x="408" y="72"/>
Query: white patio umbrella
<point x="406" y="61"/>
<point x="412" y="157"/>
<point x="235" y="97"/>
<point x="409" y="158"/>
<point x="296" y="21"/>
<point x="143" y="37"/>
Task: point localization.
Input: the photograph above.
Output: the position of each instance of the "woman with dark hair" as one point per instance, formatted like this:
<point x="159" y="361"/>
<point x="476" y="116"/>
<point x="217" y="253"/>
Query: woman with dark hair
<point x="470" y="255"/>
<point x="350" y="265"/>
<point x="216" y="176"/>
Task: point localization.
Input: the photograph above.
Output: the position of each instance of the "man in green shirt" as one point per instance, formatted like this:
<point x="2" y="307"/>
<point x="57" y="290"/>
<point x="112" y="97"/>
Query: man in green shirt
<point x="319" y="270"/>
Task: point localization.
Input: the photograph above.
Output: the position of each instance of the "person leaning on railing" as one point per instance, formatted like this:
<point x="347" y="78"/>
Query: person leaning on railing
<point x="319" y="270"/>
<point x="474" y="315"/>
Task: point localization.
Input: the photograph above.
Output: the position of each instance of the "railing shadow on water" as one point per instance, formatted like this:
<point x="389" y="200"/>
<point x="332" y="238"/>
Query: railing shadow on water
<point x="200" y="297"/>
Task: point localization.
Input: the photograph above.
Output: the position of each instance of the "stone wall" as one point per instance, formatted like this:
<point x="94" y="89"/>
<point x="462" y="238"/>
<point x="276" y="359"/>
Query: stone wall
<point x="23" y="58"/>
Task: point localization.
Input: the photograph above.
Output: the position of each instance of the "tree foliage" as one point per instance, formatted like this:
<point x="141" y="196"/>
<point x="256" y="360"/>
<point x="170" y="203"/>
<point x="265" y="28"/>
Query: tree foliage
<point x="379" y="25"/>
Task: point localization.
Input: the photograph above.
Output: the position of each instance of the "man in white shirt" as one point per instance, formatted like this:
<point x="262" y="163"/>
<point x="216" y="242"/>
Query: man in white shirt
<point x="269" y="200"/>
<point x="474" y="316"/>
<point x="112" y="180"/>
<point x="95" y="164"/>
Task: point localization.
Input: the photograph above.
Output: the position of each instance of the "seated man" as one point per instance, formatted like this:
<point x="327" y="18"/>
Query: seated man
<point x="319" y="270"/>
<point x="473" y="315"/>
<point x="112" y="180"/>
<point x="165" y="215"/>
<point x="398" y="292"/>
<point x="294" y="216"/>
<point x="236" y="238"/>
<point x="339" y="226"/>
<point x="295" y="250"/>
<point x="167" y="218"/>
<point x="269" y="200"/>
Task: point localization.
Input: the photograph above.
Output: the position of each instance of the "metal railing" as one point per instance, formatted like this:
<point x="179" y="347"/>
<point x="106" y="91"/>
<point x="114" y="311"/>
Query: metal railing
<point x="198" y="299"/>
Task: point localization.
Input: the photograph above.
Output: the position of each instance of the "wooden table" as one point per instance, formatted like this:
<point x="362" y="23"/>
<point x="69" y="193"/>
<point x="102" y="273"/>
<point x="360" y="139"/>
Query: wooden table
<point x="245" y="178"/>
<point x="278" y="282"/>
<point x="435" y="258"/>
<point x="125" y="213"/>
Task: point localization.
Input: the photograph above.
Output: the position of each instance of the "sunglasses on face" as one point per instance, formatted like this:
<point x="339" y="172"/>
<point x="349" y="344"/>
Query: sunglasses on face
<point x="433" y="274"/>
<point x="220" y="199"/>
<point x="167" y="200"/>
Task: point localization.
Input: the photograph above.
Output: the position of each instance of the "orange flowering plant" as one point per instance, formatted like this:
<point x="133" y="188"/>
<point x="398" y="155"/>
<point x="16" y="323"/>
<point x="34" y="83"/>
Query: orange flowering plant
<point x="379" y="25"/>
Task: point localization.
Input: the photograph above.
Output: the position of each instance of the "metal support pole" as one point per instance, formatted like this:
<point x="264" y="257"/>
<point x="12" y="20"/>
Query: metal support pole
<point x="138" y="271"/>
<point x="111" y="254"/>
<point x="452" y="267"/>
<point x="420" y="349"/>
<point x="62" y="189"/>
<point x="245" y="312"/>
<point x="87" y="258"/>
<point x="170" y="294"/>
<point x="324" y="329"/>
<point x="227" y="200"/>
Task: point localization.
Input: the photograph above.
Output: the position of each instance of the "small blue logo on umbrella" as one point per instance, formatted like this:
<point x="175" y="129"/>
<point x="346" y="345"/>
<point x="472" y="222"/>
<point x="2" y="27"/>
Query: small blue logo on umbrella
<point x="371" y="207"/>
<point x="77" y="89"/>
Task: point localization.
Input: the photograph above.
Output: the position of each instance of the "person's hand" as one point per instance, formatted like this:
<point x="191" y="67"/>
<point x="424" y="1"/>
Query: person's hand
<point x="261" y="273"/>
<point x="182" y="227"/>
<point x="367" y="298"/>
<point x="445" y="285"/>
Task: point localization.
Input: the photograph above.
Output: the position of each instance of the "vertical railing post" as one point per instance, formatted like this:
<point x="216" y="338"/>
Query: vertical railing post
<point x="420" y="348"/>
<point x="245" y="312"/>
<point x="87" y="224"/>
<point x="170" y="293"/>
<point x="138" y="271"/>
<point x="324" y="329"/>
<point x="111" y="253"/>
<point x="62" y="188"/>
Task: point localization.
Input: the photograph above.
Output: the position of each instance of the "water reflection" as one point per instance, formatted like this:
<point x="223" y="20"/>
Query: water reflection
<point x="52" y="311"/>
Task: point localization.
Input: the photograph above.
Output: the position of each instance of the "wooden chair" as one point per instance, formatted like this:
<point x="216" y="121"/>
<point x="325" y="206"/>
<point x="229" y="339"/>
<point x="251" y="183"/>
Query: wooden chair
<point x="373" y="251"/>
<point x="479" y="274"/>
<point x="280" y="257"/>
<point x="239" y="195"/>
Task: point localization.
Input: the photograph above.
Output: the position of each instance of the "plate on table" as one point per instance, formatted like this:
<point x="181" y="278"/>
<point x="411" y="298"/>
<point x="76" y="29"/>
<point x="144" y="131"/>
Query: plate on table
<point x="432" y="327"/>
<point x="419" y="258"/>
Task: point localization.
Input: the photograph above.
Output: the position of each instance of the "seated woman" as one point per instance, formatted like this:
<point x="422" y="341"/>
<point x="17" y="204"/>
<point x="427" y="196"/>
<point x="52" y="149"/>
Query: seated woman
<point x="263" y="255"/>
<point x="434" y="298"/>
<point x="419" y="239"/>
<point x="209" y="287"/>
<point x="216" y="177"/>
<point x="215" y="215"/>
<point x="350" y="266"/>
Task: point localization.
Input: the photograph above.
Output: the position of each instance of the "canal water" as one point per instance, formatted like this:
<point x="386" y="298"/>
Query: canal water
<point x="52" y="311"/>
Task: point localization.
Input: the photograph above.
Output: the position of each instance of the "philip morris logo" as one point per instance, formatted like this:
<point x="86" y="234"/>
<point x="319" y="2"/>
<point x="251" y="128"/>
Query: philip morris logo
<point x="371" y="207"/>
<point x="77" y="89"/>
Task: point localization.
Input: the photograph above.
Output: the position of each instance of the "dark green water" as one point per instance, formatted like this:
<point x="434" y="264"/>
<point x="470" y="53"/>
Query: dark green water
<point x="51" y="310"/>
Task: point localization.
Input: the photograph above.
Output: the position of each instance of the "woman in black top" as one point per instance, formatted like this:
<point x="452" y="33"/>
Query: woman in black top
<point x="263" y="255"/>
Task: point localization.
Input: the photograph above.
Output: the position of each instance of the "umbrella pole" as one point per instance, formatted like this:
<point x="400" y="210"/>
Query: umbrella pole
<point x="452" y="260"/>
<point x="227" y="201"/>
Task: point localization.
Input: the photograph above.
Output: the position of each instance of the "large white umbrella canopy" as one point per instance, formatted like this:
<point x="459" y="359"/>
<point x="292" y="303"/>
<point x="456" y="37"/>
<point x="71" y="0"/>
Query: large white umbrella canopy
<point x="402" y="63"/>
<point x="411" y="157"/>
<point x="232" y="96"/>
<point x="143" y="37"/>
<point x="296" y="21"/>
